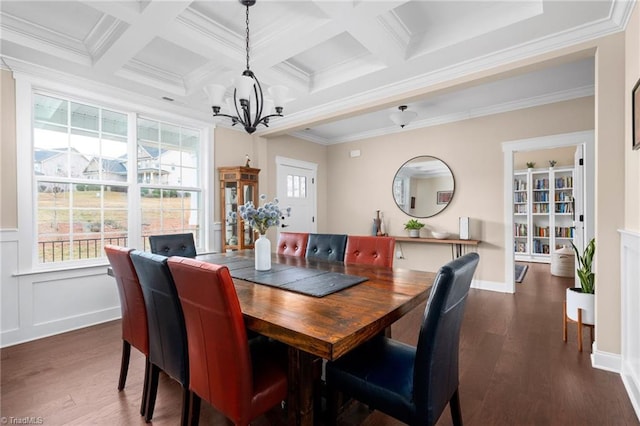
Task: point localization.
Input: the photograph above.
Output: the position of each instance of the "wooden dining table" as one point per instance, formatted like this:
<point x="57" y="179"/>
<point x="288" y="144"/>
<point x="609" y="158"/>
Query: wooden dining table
<point x="316" y="328"/>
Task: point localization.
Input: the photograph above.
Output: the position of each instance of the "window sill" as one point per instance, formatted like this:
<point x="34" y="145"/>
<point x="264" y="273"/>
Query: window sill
<point x="61" y="269"/>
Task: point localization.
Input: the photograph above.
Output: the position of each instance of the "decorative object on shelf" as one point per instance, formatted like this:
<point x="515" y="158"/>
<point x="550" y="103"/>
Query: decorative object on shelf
<point x="261" y="219"/>
<point x="552" y="163"/>
<point x="414" y="227"/>
<point x="247" y="163"/>
<point x="403" y="117"/>
<point x="531" y="164"/>
<point x="248" y="100"/>
<point x="377" y="222"/>
<point x="440" y="235"/>
<point x="378" y="225"/>
<point x="463" y="227"/>
<point x="635" y="116"/>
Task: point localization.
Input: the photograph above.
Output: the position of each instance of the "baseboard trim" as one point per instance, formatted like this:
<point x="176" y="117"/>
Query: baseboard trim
<point x="633" y="391"/>
<point x="605" y="360"/>
<point x="23" y="335"/>
<point x="491" y="286"/>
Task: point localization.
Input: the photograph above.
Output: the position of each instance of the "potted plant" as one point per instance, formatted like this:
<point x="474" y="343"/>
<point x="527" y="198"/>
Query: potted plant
<point x="531" y="164"/>
<point x="414" y="227"/>
<point x="583" y="297"/>
<point x="552" y="163"/>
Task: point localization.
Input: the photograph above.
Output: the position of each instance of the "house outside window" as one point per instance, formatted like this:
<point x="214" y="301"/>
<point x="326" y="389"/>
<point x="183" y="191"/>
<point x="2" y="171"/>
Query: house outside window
<point x="84" y="188"/>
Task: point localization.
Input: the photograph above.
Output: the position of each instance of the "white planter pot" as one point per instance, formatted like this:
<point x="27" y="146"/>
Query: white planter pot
<point x="579" y="300"/>
<point x="414" y="233"/>
<point x="262" y="249"/>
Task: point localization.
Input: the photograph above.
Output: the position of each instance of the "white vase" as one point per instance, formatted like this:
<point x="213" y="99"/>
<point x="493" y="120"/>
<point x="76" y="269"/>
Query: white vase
<point x="414" y="233"/>
<point x="584" y="301"/>
<point x="262" y="253"/>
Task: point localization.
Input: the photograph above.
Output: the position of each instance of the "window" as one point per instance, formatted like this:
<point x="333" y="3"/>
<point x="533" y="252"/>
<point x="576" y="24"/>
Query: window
<point x="168" y="158"/>
<point x="296" y="186"/>
<point x="84" y="187"/>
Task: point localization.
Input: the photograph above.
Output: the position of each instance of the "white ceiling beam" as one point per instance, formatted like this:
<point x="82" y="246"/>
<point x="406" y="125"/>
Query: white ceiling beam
<point x="150" y="23"/>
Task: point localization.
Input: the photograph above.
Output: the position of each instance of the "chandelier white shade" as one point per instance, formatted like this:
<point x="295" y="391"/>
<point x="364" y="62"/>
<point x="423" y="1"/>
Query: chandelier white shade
<point x="248" y="106"/>
<point x="403" y="117"/>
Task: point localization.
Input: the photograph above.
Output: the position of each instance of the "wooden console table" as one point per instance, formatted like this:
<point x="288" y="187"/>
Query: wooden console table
<point x="457" y="246"/>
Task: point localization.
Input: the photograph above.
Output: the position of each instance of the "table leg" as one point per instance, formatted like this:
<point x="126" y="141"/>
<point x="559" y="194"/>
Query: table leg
<point x="301" y="383"/>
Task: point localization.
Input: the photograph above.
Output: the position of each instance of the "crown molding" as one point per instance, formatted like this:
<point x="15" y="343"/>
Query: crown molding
<point x="531" y="102"/>
<point x="524" y="51"/>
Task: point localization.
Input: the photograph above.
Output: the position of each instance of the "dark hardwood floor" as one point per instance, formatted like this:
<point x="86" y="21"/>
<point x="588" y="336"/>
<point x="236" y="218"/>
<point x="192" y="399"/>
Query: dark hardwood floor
<point x="514" y="370"/>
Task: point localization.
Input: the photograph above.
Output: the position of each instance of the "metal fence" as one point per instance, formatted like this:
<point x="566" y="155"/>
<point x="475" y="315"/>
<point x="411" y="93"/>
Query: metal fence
<point x="90" y="248"/>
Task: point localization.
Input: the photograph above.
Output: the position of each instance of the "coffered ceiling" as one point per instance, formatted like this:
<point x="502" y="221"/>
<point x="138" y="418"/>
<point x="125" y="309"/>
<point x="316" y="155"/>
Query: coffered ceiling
<point x="335" y="56"/>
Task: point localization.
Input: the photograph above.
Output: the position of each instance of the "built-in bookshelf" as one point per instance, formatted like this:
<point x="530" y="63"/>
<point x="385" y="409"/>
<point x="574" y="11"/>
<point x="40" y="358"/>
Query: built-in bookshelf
<point x="542" y="212"/>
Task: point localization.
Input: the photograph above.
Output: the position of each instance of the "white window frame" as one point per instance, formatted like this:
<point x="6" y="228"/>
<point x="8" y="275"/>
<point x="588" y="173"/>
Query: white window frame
<point x="103" y="96"/>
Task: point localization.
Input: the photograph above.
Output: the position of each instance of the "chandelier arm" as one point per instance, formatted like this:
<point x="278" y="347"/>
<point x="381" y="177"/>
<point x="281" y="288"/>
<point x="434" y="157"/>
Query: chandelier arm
<point x="226" y="115"/>
<point x="257" y="90"/>
<point x="238" y="116"/>
<point x="266" y="118"/>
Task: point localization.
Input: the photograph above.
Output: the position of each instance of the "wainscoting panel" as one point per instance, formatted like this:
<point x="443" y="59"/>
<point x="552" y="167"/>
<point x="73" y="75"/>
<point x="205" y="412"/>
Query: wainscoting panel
<point x="630" y="304"/>
<point x="10" y="292"/>
<point x="39" y="304"/>
<point x="57" y="298"/>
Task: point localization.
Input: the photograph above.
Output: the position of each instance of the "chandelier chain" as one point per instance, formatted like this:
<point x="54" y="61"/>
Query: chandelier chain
<point x="247" y="36"/>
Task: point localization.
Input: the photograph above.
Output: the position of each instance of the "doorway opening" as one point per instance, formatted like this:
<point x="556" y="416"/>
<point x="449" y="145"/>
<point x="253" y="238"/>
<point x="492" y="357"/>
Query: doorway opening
<point x="514" y="152"/>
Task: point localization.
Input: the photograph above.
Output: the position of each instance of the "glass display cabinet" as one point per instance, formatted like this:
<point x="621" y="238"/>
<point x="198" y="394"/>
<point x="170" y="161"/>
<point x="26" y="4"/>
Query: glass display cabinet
<point x="237" y="186"/>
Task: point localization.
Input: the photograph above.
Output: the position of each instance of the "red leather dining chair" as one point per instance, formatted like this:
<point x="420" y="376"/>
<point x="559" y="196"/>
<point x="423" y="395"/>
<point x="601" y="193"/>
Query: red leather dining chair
<point x="134" y="313"/>
<point x="292" y="243"/>
<point x="241" y="379"/>
<point x="167" y="334"/>
<point x="368" y="250"/>
<point x="412" y="384"/>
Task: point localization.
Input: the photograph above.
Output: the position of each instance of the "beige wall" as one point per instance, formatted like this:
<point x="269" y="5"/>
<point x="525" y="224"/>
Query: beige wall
<point x="8" y="173"/>
<point x="473" y="151"/>
<point x="609" y="205"/>
<point x="632" y="158"/>
<point x="563" y="156"/>
<point x="230" y="149"/>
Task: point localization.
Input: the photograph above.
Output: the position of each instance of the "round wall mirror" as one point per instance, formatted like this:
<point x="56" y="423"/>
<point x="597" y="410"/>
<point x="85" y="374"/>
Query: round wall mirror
<point x="423" y="186"/>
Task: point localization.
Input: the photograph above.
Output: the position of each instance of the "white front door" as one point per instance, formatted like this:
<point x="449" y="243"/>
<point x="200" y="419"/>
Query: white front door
<point x="297" y="189"/>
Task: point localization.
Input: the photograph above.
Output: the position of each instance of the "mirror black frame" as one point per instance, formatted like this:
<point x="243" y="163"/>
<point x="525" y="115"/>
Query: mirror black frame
<point x="411" y="202"/>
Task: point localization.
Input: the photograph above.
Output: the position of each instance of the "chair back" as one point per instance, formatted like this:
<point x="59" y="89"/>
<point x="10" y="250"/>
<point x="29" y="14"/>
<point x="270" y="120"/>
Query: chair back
<point x="173" y="245"/>
<point x="369" y="250"/>
<point x="436" y="364"/>
<point x="326" y="247"/>
<point x="134" y="312"/>
<point x="293" y="243"/>
<point x="220" y="362"/>
<point x="167" y="334"/>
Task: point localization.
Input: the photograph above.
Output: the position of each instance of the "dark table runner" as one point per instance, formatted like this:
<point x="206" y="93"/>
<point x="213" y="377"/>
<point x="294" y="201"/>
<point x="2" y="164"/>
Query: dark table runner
<point x="312" y="282"/>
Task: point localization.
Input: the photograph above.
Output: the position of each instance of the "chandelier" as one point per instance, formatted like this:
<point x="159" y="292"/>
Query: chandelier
<point x="403" y="117"/>
<point x="248" y="100"/>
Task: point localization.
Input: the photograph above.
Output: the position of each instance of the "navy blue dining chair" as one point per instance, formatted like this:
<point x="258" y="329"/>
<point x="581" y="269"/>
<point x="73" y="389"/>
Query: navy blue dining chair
<point x="167" y="333"/>
<point x="326" y="247"/>
<point x="181" y="245"/>
<point x="412" y="384"/>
